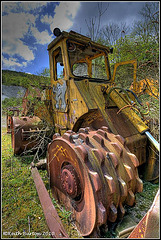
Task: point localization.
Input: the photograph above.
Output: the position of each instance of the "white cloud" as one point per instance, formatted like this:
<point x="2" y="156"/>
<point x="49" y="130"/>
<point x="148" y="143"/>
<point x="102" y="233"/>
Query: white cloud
<point x="64" y="16"/>
<point x="14" y="28"/>
<point x="16" y="25"/>
<point x="18" y="48"/>
<point x="41" y="37"/>
<point x="12" y="62"/>
<point x="24" y="51"/>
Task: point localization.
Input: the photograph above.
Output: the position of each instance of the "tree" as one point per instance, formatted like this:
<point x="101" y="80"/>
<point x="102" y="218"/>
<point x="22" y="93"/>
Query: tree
<point x="94" y="23"/>
<point x="148" y="27"/>
<point x="45" y="72"/>
<point x="113" y="31"/>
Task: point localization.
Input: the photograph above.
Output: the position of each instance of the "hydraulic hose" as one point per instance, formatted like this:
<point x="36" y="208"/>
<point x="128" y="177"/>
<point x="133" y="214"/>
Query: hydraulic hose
<point x="135" y="96"/>
<point x="149" y="136"/>
<point x="125" y="91"/>
<point x="121" y="89"/>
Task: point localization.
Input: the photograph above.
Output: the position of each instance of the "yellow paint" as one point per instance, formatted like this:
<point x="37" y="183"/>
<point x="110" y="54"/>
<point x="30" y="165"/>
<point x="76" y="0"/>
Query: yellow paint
<point x="148" y="86"/>
<point x="77" y="103"/>
<point x="59" y="149"/>
<point x="120" y="101"/>
<point x="133" y="62"/>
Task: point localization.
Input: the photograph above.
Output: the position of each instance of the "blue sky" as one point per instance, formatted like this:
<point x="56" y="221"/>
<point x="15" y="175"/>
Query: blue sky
<point x="27" y="27"/>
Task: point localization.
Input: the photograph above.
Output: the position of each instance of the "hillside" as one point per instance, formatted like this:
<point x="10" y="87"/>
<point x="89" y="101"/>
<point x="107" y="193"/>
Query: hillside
<point x="13" y="83"/>
<point x="23" y="79"/>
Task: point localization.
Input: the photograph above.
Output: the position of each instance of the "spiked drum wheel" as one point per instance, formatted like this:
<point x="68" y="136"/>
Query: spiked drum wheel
<point x="93" y="174"/>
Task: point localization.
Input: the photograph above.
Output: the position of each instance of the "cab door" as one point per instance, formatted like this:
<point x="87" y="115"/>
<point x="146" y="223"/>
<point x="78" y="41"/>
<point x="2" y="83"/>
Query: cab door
<point x="59" y="90"/>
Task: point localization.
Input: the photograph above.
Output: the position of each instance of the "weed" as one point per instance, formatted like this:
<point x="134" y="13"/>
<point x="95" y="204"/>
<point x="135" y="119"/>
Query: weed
<point x="22" y="214"/>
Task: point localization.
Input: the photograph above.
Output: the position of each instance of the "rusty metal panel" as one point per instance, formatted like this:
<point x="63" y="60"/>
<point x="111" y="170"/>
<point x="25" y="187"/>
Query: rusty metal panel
<point x="137" y="144"/>
<point x="53" y="221"/>
<point x="127" y="129"/>
<point x="11" y="111"/>
<point x="134" y="140"/>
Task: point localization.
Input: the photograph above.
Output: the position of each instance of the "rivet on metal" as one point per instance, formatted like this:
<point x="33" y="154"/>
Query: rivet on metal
<point x="114" y="159"/>
<point x="121" y="211"/>
<point x="83" y="152"/>
<point x="84" y="130"/>
<point x="101" y="214"/>
<point x="87" y="129"/>
<point x="84" y="138"/>
<point x="69" y="131"/>
<point x="68" y="137"/>
<point x="139" y="185"/>
<point x="102" y="133"/>
<point x="130" y="200"/>
<point x="99" y="155"/>
<point x="56" y="135"/>
<point x="104" y="128"/>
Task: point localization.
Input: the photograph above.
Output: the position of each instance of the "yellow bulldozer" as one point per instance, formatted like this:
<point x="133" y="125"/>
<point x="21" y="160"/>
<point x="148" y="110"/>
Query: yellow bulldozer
<point x="101" y="149"/>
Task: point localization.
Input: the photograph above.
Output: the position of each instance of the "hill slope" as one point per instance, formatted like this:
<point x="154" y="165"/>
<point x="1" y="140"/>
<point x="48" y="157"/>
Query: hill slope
<point x="23" y="79"/>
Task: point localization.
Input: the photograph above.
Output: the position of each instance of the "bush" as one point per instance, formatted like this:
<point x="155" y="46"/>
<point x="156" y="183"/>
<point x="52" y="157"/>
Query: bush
<point x="11" y="102"/>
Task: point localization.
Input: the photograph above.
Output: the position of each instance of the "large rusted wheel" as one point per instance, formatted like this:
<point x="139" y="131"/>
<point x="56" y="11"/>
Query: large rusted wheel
<point x="93" y="174"/>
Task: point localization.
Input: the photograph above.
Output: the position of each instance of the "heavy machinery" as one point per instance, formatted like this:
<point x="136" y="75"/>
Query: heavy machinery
<point x="100" y="142"/>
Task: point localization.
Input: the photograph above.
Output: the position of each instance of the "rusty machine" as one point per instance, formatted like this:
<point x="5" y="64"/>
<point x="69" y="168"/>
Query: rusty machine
<point x="101" y="147"/>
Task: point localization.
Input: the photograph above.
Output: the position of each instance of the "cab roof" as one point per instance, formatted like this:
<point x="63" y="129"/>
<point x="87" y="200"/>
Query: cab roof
<point x="77" y="37"/>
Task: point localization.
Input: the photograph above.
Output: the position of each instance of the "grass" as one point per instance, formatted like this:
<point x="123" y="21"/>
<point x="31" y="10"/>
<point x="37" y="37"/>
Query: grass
<point x="153" y="116"/>
<point x="22" y="214"/>
<point x="144" y="201"/>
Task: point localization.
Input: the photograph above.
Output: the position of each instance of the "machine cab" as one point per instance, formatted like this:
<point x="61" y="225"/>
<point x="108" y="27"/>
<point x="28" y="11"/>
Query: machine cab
<point x="74" y="58"/>
<point x="73" y="55"/>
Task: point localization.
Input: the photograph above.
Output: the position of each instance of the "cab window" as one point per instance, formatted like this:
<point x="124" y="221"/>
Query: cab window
<point x="58" y="64"/>
<point x="87" y="61"/>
